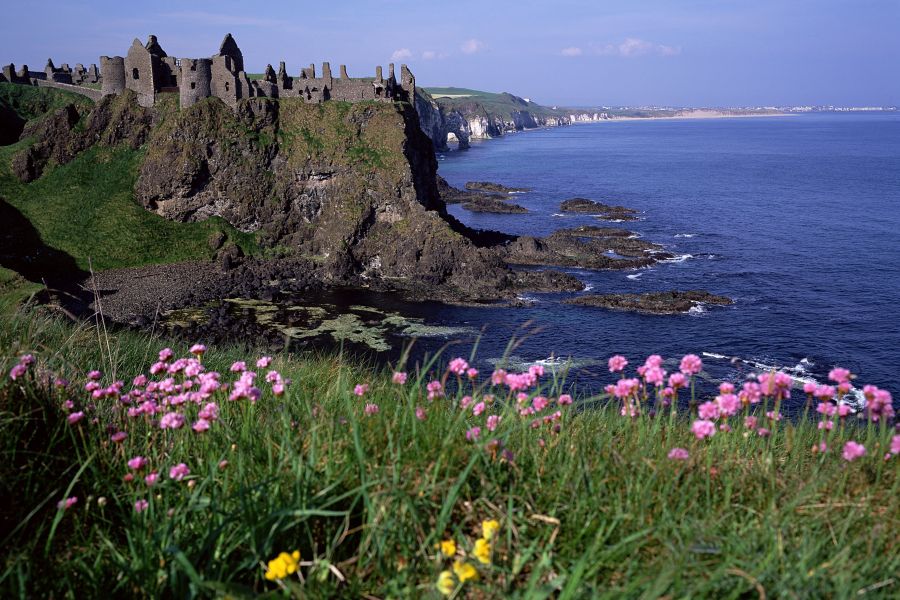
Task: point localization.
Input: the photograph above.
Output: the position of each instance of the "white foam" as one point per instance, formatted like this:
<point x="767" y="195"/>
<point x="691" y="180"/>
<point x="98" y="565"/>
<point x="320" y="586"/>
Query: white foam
<point x="588" y="288"/>
<point x="677" y="259"/>
<point x="635" y="276"/>
<point x="855" y="398"/>
<point x="696" y="309"/>
<point x="685" y="235"/>
<point x="557" y="215"/>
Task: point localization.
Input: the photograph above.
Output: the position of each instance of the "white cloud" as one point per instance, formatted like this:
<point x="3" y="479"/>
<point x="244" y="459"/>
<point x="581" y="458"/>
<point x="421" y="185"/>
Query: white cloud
<point x="433" y="54"/>
<point x="401" y="54"/>
<point x="571" y="51"/>
<point x="634" y="47"/>
<point x="472" y="46"/>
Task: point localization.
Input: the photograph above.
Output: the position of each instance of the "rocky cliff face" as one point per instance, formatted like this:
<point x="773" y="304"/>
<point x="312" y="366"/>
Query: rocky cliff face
<point x="441" y="125"/>
<point x="347" y="190"/>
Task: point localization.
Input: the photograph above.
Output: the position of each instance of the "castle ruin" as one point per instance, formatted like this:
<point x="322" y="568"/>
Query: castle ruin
<point x="148" y="71"/>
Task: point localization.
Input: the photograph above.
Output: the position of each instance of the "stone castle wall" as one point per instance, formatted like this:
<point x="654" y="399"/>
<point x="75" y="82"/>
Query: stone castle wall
<point x="148" y="71"/>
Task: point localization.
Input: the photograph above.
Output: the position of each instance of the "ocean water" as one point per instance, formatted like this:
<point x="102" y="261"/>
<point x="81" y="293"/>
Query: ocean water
<point x="796" y="218"/>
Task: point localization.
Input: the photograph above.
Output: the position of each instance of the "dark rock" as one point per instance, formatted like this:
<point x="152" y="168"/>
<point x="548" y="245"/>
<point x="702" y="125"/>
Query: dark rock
<point x="488" y="186"/>
<point x="491" y="205"/>
<point x="658" y="303"/>
<point x="604" y="212"/>
<point x="570" y="251"/>
<point x="547" y="281"/>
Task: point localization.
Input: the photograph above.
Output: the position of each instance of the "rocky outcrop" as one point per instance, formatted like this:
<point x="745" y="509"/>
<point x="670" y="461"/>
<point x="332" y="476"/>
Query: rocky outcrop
<point x="569" y="251"/>
<point x="488" y="204"/>
<point x="441" y="125"/>
<point x="603" y="212"/>
<point x="489" y="186"/>
<point x="658" y="303"/>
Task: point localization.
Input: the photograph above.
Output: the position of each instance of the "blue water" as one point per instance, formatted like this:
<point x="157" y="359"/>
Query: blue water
<point x="795" y="218"/>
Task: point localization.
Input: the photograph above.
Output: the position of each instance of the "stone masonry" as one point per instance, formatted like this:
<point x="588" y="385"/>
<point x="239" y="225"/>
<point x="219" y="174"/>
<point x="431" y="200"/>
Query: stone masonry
<point x="147" y="70"/>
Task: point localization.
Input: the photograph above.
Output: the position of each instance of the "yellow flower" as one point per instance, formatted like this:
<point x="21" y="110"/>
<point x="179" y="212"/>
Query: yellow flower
<point x="448" y="547"/>
<point x="283" y="565"/>
<point x="482" y="551"/>
<point x="445" y="583"/>
<point x="489" y="528"/>
<point x="464" y="571"/>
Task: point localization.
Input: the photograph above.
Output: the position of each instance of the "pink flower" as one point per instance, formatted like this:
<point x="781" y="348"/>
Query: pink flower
<point x="473" y="433"/>
<point x="200" y="426"/>
<point x="371" y="409"/>
<point x="852" y="450"/>
<point x="539" y="403"/>
<point x="435" y="389"/>
<point x="708" y="410"/>
<point x="498" y="377"/>
<point x="625" y="388"/>
<point x="773" y="415"/>
<point x="844" y="410"/>
<point x="536" y="370"/>
<point x="179" y="472"/>
<point x="141" y="505"/>
<point x="678" y="454"/>
<point x="166" y="354"/>
<point x="677" y="380"/>
<point x="751" y="393"/>
<point x="564" y="400"/>
<point x="272" y="376"/>
<point x="137" y="463"/>
<point x="494" y="420"/>
<point x="654" y="375"/>
<point x="26" y="359"/>
<point x="617" y="363"/>
<point x="703" y="429"/>
<point x="94" y="375"/>
<point x="67" y="503"/>
<point x="478" y="409"/>
<point x="763" y="432"/>
<point x="17" y="371"/>
<point x="278" y="389"/>
<point x="210" y="412"/>
<point x="810" y="387"/>
<point x="691" y="364"/>
<point x="264" y="362"/>
<point x="222" y="464"/>
<point x="171" y="420"/>
<point x="75" y="417"/>
<point x="420" y="413"/>
<point x="726" y="387"/>
<point x="472" y="373"/>
<point x="750" y="422"/>
<point x="151" y="479"/>
<point x="728" y="404"/>
<point x="399" y="378"/>
<point x="895" y="444"/>
<point x="458" y="366"/>
<point x="360" y="389"/>
<point x="839" y="375"/>
<point x="775" y="384"/>
<point x="465" y="401"/>
<point x="118" y="437"/>
<point x="198" y="350"/>
<point x="238" y="367"/>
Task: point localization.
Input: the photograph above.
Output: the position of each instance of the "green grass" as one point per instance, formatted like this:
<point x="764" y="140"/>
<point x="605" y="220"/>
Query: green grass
<point x="31" y="102"/>
<point x="86" y="208"/>
<point x="596" y="510"/>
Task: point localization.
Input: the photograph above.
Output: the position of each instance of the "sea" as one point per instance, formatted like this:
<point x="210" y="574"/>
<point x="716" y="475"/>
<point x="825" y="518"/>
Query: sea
<point x="796" y="218"/>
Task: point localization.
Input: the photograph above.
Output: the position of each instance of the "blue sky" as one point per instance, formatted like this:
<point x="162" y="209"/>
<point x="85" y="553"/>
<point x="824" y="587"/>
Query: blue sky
<point x="567" y="52"/>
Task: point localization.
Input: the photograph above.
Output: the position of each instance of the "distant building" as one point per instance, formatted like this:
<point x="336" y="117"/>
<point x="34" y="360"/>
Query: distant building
<point x="147" y="70"/>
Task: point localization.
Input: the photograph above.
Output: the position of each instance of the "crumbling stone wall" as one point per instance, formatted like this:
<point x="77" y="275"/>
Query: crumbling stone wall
<point x="148" y="70"/>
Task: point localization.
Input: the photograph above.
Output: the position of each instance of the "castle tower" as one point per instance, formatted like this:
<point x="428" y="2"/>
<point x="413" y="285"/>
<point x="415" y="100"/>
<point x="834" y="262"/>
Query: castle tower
<point x="141" y="69"/>
<point x="112" y="74"/>
<point x="195" y="80"/>
<point x="230" y="49"/>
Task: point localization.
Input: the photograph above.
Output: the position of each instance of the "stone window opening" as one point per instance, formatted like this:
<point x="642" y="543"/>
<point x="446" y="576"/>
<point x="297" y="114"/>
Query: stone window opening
<point x="193" y="67"/>
<point x="193" y="85"/>
<point x="135" y="74"/>
<point x="227" y="87"/>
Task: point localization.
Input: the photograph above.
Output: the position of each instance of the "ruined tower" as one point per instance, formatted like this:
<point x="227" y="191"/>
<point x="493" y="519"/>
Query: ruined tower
<point x="195" y="80"/>
<point x="112" y="71"/>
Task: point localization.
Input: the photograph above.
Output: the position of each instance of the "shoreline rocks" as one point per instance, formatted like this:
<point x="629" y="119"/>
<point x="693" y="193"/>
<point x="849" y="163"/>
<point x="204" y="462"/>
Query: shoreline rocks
<point x="488" y="186"/>
<point x="493" y="205"/>
<point x="657" y="303"/>
<point x="603" y="212"/>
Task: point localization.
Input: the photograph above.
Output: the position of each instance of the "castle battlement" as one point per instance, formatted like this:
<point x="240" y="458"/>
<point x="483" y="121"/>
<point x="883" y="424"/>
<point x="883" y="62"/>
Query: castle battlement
<point x="147" y="70"/>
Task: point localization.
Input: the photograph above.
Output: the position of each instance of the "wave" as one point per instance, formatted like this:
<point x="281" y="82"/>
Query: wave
<point x="635" y="276"/>
<point x="685" y="235"/>
<point x="677" y="259"/>
<point x="587" y="288"/>
<point x="557" y="215"/>
<point x="855" y="398"/>
<point x="697" y="309"/>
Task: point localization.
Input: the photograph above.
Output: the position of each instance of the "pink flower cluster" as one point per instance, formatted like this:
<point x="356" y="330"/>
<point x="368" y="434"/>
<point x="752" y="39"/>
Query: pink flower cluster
<point x="21" y="367"/>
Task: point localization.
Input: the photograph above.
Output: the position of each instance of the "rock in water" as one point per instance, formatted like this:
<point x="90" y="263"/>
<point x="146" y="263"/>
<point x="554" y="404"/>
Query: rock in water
<point x="657" y="303"/>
